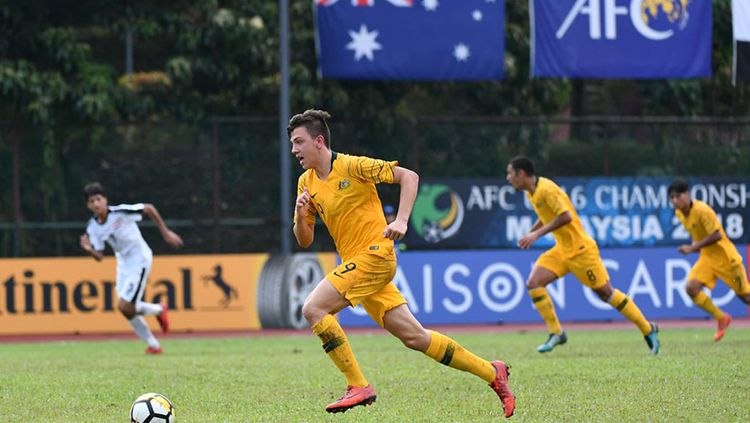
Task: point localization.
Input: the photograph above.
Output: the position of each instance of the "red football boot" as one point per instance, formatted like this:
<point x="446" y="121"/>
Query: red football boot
<point x="354" y="396"/>
<point x="163" y="319"/>
<point x="723" y="324"/>
<point x="501" y="388"/>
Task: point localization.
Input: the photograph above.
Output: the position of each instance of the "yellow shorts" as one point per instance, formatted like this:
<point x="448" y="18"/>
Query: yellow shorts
<point x="367" y="279"/>
<point x="706" y="271"/>
<point x="586" y="266"/>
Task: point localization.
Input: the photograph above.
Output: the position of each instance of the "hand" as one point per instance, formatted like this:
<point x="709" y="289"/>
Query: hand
<point x="528" y="240"/>
<point x="172" y="239"/>
<point x="395" y="230"/>
<point x="686" y="249"/>
<point x="85" y="243"/>
<point x="303" y="202"/>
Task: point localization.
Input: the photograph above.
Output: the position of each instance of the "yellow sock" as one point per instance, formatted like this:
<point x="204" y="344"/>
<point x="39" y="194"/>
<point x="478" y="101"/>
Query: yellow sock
<point x="337" y="347"/>
<point x="449" y="352"/>
<point x="703" y="301"/>
<point x="627" y="308"/>
<point x="546" y="308"/>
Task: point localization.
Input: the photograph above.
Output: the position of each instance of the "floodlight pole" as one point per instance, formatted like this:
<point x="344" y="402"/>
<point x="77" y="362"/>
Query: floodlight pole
<point x="284" y="164"/>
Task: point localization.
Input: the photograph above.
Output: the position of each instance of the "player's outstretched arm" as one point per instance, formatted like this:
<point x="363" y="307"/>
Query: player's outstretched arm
<point x="304" y="231"/>
<point x="85" y="243"/>
<point x="170" y="237"/>
<point x="540" y="231"/>
<point x="409" y="182"/>
<point x="696" y="246"/>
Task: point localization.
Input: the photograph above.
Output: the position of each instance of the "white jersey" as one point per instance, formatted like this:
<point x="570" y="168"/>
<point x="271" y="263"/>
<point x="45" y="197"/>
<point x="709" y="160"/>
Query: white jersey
<point x="121" y="232"/>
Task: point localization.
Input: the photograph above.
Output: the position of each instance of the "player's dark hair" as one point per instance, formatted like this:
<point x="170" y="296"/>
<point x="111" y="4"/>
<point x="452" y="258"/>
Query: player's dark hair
<point x="92" y="189"/>
<point x="315" y="121"/>
<point x="522" y="163"/>
<point x="678" y="186"/>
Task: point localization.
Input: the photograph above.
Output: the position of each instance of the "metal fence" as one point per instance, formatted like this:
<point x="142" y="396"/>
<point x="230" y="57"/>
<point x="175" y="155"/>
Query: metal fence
<point x="217" y="183"/>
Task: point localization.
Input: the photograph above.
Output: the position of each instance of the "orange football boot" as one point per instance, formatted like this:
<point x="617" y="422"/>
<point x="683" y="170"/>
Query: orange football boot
<point x="152" y="350"/>
<point x="163" y="319"/>
<point x="354" y="396"/>
<point x="501" y="388"/>
<point x="723" y="324"/>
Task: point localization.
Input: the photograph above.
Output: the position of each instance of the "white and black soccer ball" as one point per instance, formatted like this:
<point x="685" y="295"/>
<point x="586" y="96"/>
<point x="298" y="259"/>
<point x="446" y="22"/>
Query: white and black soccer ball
<point x="152" y="408"/>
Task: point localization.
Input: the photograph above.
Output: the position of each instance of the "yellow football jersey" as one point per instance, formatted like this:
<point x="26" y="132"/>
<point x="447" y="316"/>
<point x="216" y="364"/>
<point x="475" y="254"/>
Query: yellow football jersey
<point x="550" y="201"/>
<point x="702" y="222"/>
<point x="348" y="203"/>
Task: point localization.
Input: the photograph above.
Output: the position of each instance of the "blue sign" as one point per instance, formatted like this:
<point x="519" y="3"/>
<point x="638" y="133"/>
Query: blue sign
<point x="480" y="287"/>
<point x="489" y="213"/>
<point x="413" y="40"/>
<point x="621" y="38"/>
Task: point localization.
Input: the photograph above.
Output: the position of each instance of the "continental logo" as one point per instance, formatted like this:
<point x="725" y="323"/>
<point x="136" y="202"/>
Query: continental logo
<point x="438" y="213"/>
<point x="25" y="294"/>
<point x="663" y="15"/>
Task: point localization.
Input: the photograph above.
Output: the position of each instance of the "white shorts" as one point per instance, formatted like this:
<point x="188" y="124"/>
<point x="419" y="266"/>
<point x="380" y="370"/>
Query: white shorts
<point x="131" y="281"/>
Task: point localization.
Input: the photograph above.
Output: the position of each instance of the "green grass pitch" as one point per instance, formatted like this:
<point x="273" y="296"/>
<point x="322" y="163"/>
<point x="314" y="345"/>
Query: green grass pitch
<point x="599" y="375"/>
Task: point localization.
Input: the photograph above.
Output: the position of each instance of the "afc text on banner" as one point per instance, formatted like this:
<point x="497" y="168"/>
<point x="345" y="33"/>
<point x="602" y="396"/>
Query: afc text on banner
<point x="489" y="213"/>
<point x="621" y="38"/>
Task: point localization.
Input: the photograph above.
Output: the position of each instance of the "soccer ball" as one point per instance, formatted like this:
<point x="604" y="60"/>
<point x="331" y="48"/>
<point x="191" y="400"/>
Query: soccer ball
<point x="152" y="408"/>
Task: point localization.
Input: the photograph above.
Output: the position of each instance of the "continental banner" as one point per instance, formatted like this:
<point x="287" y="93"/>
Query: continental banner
<point x="621" y="38"/>
<point x="203" y="292"/>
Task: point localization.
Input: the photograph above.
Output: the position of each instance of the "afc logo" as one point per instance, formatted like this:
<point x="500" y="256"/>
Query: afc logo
<point x="643" y="13"/>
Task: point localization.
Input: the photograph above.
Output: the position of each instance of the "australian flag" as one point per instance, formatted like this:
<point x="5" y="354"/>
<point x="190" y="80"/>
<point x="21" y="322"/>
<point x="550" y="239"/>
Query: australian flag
<point x="411" y="39"/>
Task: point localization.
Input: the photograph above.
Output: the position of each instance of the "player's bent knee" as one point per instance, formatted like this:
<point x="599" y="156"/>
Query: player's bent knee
<point x="312" y="313"/>
<point x="418" y="341"/>
<point x="533" y="284"/>
<point x="604" y="293"/>
<point x="127" y="309"/>
<point x="692" y="289"/>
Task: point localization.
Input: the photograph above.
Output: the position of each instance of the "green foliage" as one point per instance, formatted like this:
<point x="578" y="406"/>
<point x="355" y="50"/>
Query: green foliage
<point x="223" y="59"/>
<point x="60" y="63"/>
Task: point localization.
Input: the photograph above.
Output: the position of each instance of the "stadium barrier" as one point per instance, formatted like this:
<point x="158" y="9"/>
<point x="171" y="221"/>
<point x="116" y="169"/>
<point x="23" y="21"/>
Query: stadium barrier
<point x="253" y="291"/>
<point x="488" y="287"/>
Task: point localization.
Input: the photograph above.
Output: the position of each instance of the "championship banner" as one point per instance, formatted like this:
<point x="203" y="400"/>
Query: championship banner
<point x="621" y="38"/>
<point x="488" y="287"/>
<point x="632" y="212"/>
<point x="409" y="39"/>
<point x="203" y="292"/>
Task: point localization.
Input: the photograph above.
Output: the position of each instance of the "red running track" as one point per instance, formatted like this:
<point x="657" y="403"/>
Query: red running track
<point x="737" y="323"/>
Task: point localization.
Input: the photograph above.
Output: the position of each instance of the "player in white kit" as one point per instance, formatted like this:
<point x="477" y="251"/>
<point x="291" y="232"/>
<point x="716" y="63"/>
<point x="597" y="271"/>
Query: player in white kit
<point x="117" y="227"/>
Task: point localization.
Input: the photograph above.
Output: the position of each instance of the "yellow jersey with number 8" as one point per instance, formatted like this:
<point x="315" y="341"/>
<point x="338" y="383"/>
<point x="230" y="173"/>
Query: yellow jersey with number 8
<point x="550" y="201"/>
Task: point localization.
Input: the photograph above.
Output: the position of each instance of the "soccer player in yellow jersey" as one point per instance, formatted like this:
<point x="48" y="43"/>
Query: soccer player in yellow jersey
<point x="574" y="251"/>
<point x="718" y="256"/>
<point x="340" y="189"/>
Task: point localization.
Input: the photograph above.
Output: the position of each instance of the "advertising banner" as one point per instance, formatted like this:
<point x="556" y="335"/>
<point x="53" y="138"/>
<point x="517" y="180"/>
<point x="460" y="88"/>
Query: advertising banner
<point x="616" y="212"/>
<point x="621" y="38"/>
<point x="485" y="287"/>
<point x="77" y="295"/>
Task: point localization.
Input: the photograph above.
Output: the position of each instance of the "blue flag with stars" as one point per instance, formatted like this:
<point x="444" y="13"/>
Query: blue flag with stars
<point x="411" y="39"/>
